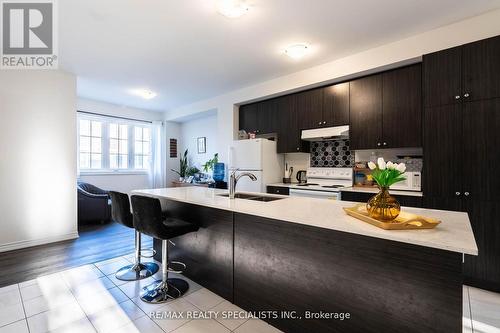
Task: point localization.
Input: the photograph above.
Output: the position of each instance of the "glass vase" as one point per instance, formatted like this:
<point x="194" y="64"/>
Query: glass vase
<point x="383" y="206"/>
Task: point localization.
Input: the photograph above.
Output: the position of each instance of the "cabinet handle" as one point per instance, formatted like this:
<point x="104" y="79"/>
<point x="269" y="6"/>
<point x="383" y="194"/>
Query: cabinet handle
<point x="324" y="123"/>
<point x="466" y="95"/>
<point x="466" y="194"/>
<point x="378" y="144"/>
<point x="385" y="143"/>
<point x="319" y="123"/>
<point x="457" y="97"/>
<point x="298" y="148"/>
<point x="277" y="191"/>
<point x="457" y="194"/>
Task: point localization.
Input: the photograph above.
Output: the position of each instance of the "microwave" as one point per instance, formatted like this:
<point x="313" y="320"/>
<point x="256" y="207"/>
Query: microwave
<point x="413" y="182"/>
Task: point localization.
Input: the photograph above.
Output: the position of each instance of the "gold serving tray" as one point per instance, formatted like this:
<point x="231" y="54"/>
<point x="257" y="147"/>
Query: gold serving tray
<point x="405" y="221"/>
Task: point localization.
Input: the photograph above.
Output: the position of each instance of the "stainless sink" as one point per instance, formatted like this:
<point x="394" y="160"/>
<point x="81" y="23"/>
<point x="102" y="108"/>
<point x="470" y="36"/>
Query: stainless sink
<point x="252" y="197"/>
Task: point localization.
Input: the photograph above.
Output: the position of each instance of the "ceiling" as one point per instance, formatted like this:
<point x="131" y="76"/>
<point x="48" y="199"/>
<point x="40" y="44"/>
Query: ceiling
<point x="185" y="51"/>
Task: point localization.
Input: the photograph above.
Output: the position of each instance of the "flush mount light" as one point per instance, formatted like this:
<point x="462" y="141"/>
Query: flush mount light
<point x="232" y="8"/>
<point x="144" y="93"/>
<point x="297" y="51"/>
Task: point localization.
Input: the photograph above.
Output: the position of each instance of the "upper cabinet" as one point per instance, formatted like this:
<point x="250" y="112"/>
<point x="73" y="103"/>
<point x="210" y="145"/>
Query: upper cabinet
<point x="386" y="109"/>
<point x="402" y="107"/>
<point x="366" y="112"/>
<point x="310" y="108"/>
<point x="336" y="105"/>
<point x="481" y="68"/>
<point x="248" y="117"/>
<point x="464" y="73"/>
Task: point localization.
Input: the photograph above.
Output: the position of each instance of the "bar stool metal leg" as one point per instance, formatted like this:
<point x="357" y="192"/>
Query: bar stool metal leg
<point x="138" y="270"/>
<point x="166" y="289"/>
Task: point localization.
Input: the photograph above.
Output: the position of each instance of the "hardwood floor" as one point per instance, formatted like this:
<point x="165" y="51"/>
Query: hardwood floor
<point x="96" y="243"/>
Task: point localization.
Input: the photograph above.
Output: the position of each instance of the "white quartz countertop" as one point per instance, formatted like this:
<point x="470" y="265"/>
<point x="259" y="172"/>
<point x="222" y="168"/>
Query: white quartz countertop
<point x="453" y="234"/>
<point x="375" y="190"/>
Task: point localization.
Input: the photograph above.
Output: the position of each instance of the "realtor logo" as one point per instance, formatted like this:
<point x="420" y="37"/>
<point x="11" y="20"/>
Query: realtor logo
<point x="28" y="35"/>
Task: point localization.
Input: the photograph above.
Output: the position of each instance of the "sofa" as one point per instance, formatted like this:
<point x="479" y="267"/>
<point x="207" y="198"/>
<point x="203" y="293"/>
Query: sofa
<point x="94" y="204"/>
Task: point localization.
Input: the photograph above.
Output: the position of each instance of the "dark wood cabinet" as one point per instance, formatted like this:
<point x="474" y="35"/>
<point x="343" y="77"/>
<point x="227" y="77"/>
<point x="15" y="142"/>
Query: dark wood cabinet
<point x="336" y="105"/>
<point x="267" y="117"/>
<point x="404" y="200"/>
<point x="402" y="107"/>
<point x="442" y="77"/>
<point x="278" y="190"/>
<point x="248" y="117"/>
<point x="310" y="108"/>
<point x="481" y="68"/>
<point x="366" y="112"/>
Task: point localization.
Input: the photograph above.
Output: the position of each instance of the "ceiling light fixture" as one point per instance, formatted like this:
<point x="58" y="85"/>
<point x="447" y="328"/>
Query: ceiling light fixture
<point x="297" y="51"/>
<point x="232" y="8"/>
<point x="144" y="93"/>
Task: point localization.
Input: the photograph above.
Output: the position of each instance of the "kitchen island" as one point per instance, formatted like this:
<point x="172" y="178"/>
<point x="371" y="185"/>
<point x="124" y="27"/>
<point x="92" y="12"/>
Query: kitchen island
<point x="307" y="256"/>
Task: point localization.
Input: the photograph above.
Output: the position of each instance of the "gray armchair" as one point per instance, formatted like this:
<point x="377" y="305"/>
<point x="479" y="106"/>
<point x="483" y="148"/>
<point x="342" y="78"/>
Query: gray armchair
<point x="94" y="204"/>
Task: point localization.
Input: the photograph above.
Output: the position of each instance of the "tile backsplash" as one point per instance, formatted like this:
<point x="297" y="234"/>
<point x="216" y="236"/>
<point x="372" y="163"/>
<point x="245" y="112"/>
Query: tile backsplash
<point x="331" y="154"/>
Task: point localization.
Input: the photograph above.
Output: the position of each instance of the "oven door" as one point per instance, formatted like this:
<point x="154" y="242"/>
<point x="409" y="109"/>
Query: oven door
<point x="314" y="194"/>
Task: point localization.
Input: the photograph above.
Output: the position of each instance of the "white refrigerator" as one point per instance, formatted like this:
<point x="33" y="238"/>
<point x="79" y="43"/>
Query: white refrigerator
<point x="260" y="157"/>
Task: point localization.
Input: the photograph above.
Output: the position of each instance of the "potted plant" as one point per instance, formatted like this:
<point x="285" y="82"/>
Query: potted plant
<point x="383" y="206"/>
<point x="210" y="164"/>
<point x="183" y="161"/>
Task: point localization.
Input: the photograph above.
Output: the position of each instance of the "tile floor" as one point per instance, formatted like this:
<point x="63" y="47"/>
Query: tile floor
<point x="89" y="299"/>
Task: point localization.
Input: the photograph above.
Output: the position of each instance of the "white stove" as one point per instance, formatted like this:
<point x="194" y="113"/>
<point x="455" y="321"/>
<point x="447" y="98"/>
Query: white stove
<point x="323" y="183"/>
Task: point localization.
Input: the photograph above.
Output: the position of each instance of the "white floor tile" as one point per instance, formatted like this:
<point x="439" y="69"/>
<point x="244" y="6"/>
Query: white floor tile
<point x="204" y="299"/>
<point x="92" y="287"/>
<point x="178" y="306"/>
<point x="485" y="310"/>
<point x="11" y="307"/>
<point x="56" y="318"/>
<point x="146" y="307"/>
<point x="82" y="274"/>
<point x="80" y="326"/>
<point x="115" y="281"/>
<point x="202" y="326"/>
<point x="238" y="315"/>
<point x="110" y="319"/>
<point x="108" y="261"/>
<point x="112" y="267"/>
<point x="133" y="289"/>
<point x="44" y="286"/>
<point x="9" y="288"/>
<point x="48" y="302"/>
<point x="129" y="257"/>
<point x="94" y="303"/>
<point x="141" y="325"/>
<point x="256" y="326"/>
<point x="17" y="327"/>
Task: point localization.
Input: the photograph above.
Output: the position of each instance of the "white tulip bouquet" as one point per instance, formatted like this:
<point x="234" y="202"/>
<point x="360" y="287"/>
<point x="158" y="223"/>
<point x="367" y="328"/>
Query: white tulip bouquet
<point x="387" y="173"/>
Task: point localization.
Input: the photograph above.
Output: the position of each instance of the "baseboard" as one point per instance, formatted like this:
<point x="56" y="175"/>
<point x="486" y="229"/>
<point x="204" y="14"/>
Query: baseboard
<point x="34" y="242"/>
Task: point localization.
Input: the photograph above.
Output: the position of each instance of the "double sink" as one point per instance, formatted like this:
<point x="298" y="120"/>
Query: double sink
<point x="254" y="197"/>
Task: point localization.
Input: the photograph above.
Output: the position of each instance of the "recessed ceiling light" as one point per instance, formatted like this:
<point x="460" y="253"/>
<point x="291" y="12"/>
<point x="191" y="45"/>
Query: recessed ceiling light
<point x="232" y="8"/>
<point x="297" y="51"/>
<point x="144" y="93"/>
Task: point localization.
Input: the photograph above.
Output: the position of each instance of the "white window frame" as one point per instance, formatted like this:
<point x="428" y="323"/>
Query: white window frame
<point x="105" y="142"/>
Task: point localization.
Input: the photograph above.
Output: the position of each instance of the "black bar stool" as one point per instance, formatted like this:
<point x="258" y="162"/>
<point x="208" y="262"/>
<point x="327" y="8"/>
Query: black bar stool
<point x="149" y="220"/>
<point x="120" y="212"/>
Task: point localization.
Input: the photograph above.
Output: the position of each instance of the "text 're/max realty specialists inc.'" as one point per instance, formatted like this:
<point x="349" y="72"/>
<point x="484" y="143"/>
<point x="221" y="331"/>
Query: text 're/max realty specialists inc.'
<point x="166" y="315"/>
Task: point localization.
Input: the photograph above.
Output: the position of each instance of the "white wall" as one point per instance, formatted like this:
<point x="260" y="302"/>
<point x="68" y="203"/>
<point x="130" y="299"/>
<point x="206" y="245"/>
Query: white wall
<point x="190" y="132"/>
<point x="386" y="56"/>
<point x="117" y="182"/>
<point x="38" y="159"/>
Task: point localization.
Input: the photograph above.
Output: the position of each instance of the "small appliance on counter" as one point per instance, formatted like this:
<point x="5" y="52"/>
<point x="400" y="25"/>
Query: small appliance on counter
<point x="301" y="176"/>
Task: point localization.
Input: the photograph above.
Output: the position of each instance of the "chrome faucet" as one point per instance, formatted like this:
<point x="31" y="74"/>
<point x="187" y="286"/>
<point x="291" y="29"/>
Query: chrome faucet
<point x="233" y="179"/>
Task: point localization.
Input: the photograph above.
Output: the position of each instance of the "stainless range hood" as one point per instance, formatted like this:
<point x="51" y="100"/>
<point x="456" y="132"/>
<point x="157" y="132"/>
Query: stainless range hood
<point x="325" y="134"/>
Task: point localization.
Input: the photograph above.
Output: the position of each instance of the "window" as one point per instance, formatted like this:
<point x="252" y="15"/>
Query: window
<point x="118" y="146"/>
<point x="142" y="147"/>
<point x="90" y="144"/>
<point x="112" y="145"/>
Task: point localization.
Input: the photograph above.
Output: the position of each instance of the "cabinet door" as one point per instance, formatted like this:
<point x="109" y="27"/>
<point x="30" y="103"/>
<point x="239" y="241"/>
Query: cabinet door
<point x="481" y="154"/>
<point x="293" y="129"/>
<point x="366" y="112"/>
<point x="267" y="117"/>
<point x="483" y="271"/>
<point x="442" y="77"/>
<point x="442" y="171"/>
<point x="248" y="117"/>
<point x="336" y="105"/>
<point x="310" y="108"/>
<point x="402" y="107"/>
<point x="481" y="68"/>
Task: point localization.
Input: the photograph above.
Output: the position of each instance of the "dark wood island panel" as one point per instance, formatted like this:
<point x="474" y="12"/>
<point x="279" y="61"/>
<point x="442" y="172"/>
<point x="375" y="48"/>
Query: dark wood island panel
<point x="386" y="286"/>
